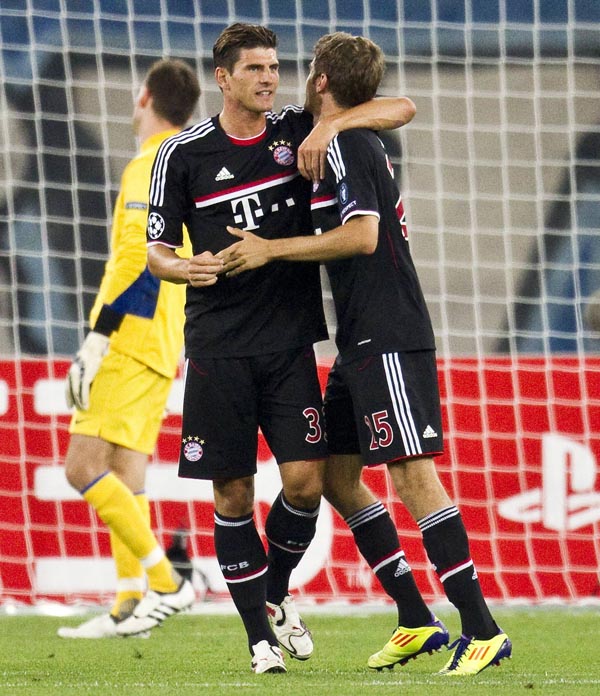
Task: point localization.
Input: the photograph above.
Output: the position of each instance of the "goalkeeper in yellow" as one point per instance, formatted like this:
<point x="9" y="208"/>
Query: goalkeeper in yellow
<point x="121" y="377"/>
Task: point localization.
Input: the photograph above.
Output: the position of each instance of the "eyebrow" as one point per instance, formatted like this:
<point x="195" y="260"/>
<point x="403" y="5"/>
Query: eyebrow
<point x="260" y="65"/>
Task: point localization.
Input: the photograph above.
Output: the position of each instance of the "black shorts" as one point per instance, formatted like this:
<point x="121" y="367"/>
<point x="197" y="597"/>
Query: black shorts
<point x="226" y="400"/>
<point x="385" y="407"/>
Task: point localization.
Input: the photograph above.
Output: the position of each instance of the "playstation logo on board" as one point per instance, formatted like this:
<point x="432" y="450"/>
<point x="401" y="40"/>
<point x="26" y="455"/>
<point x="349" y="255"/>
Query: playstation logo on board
<point x="567" y="499"/>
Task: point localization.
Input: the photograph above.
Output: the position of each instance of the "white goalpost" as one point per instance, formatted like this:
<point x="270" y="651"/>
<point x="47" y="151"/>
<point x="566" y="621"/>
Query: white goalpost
<point x="500" y="178"/>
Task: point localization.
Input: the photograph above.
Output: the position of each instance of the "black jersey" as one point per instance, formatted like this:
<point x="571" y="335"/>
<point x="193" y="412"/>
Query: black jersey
<point x="378" y="298"/>
<point x="207" y="180"/>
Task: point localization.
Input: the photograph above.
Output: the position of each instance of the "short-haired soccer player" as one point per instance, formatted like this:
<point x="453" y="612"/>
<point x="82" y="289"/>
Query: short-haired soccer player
<point x="122" y="375"/>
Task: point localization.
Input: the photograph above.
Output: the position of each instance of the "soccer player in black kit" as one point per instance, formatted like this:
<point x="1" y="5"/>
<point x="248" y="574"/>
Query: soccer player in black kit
<point x="250" y="359"/>
<point x="382" y="402"/>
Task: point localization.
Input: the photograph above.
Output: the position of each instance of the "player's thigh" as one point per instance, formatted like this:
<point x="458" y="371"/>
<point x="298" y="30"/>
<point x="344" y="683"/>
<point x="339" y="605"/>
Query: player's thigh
<point x="396" y="405"/>
<point x="219" y="424"/>
<point x="340" y="422"/>
<point x="127" y="404"/>
<point x="291" y="405"/>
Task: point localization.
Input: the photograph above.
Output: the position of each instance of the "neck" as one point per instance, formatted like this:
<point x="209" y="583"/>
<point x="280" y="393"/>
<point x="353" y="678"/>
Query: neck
<point x="328" y="109"/>
<point x="242" y="124"/>
<point x="151" y="127"/>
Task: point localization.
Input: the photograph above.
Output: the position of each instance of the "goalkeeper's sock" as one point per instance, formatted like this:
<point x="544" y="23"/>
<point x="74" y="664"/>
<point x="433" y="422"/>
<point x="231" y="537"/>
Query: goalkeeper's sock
<point x="131" y="577"/>
<point x="447" y="545"/>
<point x="117" y="508"/>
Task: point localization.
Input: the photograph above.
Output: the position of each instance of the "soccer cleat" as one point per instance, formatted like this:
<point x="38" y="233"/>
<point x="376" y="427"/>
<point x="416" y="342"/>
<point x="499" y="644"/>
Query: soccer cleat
<point x="471" y="656"/>
<point x="104" y="626"/>
<point x="406" y="643"/>
<point x="267" y="658"/>
<point x="155" y="607"/>
<point x="291" y="632"/>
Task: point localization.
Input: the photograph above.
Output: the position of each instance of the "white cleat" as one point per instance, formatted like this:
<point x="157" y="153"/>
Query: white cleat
<point x="104" y="626"/>
<point x="267" y="658"/>
<point x="291" y="632"/>
<point x="155" y="607"/>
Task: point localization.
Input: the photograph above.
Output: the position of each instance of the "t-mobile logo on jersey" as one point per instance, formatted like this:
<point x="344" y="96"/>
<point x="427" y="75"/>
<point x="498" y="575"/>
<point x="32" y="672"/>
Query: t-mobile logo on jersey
<point x="249" y="211"/>
<point x="567" y="499"/>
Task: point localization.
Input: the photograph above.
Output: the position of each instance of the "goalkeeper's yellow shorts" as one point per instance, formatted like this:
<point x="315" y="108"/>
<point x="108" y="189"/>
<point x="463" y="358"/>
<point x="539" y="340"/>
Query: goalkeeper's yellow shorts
<point x="127" y="404"/>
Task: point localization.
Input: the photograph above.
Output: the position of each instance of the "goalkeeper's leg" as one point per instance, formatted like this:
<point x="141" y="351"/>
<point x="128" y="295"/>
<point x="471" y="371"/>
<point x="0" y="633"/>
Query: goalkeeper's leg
<point x="131" y="576"/>
<point x="90" y="460"/>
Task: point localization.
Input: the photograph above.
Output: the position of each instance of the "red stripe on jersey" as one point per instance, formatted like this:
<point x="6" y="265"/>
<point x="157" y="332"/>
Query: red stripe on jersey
<point x="322" y="202"/>
<point x="250" y="187"/>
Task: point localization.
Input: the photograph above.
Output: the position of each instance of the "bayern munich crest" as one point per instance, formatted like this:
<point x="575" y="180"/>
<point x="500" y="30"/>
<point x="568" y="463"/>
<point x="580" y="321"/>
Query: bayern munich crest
<point x="283" y="153"/>
<point x="192" y="448"/>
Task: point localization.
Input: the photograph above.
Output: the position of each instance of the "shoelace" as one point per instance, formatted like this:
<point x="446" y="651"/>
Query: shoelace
<point x="463" y="644"/>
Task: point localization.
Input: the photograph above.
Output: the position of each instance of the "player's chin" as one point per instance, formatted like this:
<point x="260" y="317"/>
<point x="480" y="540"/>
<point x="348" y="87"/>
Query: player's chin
<point x="265" y="103"/>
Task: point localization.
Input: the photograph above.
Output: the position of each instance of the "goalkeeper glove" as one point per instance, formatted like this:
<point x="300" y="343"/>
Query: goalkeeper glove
<point x="84" y="368"/>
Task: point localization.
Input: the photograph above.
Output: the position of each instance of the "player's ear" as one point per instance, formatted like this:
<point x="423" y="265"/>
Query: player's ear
<point x="144" y="96"/>
<point x="321" y="83"/>
<point x="221" y="77"/>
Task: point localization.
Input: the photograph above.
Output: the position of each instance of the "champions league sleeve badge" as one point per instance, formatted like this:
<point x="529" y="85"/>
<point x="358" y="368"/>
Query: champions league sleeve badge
<point x="156" y="225"/>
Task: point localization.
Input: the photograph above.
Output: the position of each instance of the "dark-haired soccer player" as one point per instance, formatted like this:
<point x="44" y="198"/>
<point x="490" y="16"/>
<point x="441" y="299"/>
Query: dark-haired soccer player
<point x="250" y="359"/>
<point x="123" y="372"/>
<point x="382" y="402"/>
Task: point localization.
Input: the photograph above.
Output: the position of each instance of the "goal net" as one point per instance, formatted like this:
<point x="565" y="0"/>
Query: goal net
<point x="500" y="176"/>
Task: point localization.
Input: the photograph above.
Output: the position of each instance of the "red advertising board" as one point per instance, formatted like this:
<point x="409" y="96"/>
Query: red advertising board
<point x="522" y="450"/>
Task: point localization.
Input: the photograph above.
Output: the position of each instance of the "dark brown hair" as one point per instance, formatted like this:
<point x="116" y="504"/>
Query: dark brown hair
<point x="174" y="88"/>
<point x="234" y="38"/>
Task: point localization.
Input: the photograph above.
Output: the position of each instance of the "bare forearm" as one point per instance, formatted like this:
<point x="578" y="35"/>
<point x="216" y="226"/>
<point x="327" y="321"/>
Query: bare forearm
<point x="322" y="247"/>
<point x="165" y="264"/>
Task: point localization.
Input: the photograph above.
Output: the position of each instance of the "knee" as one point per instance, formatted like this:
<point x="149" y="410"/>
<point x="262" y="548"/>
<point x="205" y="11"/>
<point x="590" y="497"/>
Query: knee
<point x="304" y="495"/>
<point x="78" y="474"/>
<point x="234" y="497"/>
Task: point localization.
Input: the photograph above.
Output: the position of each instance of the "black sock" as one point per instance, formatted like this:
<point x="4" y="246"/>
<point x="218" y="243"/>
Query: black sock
<point x="243" y="563"/>
<point x="445" y="540"/>
<point x="289" y="532"/>
<point x="377" y="540"/>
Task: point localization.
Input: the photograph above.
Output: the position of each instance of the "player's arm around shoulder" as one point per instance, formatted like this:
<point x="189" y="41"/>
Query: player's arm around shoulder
<point x="199" y="270"/>
<point x="381" y="113"/>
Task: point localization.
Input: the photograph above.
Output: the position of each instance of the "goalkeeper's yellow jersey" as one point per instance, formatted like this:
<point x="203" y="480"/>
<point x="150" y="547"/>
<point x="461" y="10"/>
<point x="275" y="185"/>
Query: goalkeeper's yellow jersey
<point x="152" y="328"/>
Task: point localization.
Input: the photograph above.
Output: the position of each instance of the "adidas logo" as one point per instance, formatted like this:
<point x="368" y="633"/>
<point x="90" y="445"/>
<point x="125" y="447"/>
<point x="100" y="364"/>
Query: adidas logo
<point x="224" y="174"/>
<point x="429" y="432"/>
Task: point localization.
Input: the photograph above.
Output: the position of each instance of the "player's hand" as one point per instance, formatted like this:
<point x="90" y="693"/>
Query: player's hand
<point x="83" y="370"/>
<point x="203" y="269"/>
<point x="252" y="252"/>
<point x="312" y="153"/>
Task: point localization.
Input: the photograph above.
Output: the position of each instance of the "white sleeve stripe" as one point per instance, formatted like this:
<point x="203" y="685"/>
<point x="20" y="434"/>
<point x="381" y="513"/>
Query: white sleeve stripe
<point x="171" y="246"/>
<point x="157" y="185"/>
<point x="334" y="157"/>
<point x="364" y="213"/>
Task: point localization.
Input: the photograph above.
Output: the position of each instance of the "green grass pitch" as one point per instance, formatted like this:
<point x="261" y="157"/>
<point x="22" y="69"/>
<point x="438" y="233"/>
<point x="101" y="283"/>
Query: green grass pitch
<point x="554" y="652"/>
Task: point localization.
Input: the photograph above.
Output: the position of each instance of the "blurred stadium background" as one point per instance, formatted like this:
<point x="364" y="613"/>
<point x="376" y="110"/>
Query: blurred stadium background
<point x="500" y="174"/>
